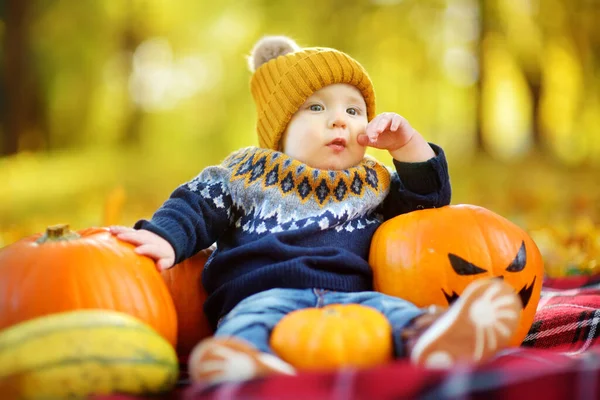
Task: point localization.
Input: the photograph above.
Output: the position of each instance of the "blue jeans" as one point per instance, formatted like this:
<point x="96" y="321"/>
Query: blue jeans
<point x="254" y="318"/>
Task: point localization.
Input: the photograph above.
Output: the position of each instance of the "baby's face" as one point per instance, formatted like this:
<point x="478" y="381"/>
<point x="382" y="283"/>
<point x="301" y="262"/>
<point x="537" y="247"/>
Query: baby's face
<point x="322" y="134"/>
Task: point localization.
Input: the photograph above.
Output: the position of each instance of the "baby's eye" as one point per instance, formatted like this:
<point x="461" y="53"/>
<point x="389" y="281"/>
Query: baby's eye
<point x="352" y="111"/>
<point x="315" y="107"/>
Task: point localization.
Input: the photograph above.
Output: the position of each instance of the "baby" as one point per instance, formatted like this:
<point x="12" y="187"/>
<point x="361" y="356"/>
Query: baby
<point x="293" y="220"/>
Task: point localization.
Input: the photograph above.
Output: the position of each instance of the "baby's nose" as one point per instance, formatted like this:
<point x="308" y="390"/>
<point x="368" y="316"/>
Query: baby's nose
<point x="338" y="120"/>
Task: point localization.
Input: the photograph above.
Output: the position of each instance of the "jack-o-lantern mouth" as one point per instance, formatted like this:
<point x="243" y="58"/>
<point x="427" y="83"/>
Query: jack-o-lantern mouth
<point x="524" y="294"/>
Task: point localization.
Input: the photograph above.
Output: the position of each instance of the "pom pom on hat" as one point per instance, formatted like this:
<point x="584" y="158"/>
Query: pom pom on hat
<point x="268" y="48"/>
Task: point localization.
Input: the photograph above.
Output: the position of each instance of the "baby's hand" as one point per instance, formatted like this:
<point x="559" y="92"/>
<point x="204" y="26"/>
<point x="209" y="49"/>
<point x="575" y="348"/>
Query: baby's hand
<point x="387" y="131"/>
<point x="148" y="244"/>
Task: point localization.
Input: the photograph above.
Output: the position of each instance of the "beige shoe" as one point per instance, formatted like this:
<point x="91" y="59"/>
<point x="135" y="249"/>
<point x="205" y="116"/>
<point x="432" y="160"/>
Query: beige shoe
<point x="481" y="322"/>
<point x="216" y="360"/>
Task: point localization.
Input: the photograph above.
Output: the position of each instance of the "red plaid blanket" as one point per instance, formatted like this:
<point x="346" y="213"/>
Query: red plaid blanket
<point x="559" y="359"/>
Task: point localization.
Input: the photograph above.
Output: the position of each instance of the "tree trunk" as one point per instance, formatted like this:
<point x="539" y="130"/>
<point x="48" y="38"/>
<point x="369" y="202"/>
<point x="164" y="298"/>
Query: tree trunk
<point x="483" y="25"/>
<point x="23" y="113"/>
<point x="535" y="90"/>
<point x="15" y="100"/>
<point x="130" y="40"/>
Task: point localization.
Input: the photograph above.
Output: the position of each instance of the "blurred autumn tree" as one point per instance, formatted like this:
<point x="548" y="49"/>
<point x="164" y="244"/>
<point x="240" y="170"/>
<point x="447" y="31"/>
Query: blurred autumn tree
<point x="489" y="72"/>
<point x="539" y="86"/>
<point x="117" y="102"/>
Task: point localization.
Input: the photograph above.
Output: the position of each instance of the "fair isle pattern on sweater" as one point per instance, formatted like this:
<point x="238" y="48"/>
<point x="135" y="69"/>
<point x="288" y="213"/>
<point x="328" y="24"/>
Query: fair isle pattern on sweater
<point x="271" y="192"/>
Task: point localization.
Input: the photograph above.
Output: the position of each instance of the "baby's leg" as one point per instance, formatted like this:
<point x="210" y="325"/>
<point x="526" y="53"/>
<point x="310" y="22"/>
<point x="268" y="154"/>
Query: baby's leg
<point x="240" y="349"/>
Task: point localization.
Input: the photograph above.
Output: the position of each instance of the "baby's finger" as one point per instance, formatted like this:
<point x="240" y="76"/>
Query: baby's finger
<point x="383" y="124"/>
<point x="396" y="122"/>
<point x="373" y="138"/>
<point x="115" y="229"/>
<point x="363" y="139"/>
<point x="133" y="237"/>
<point x="149" y="250"/>
<point x="371" y="132"/>
<point x="164" y="263"/>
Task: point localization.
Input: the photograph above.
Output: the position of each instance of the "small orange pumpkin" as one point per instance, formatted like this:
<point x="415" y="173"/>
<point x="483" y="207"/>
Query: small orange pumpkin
<point x="63" y="270"/>
<point x="429" y="257"/>
<point x="184" y="281"/>
<point x="332" y="337"/>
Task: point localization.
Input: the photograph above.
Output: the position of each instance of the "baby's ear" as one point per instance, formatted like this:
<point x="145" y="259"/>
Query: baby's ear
<point x="268" y="48"/>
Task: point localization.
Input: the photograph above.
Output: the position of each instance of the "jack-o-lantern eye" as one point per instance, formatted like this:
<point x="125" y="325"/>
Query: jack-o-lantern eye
<point x="463" y="267"/>
<point x="520" y="260"/>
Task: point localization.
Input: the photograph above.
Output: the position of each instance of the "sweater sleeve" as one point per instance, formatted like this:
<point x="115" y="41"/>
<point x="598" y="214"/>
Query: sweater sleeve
<point x="195" y="214"/>
<point x="418" y="185"/>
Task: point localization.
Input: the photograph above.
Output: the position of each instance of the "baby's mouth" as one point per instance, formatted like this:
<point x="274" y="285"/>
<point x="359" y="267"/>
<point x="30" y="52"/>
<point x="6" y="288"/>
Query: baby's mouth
<point x="337" y="145"/>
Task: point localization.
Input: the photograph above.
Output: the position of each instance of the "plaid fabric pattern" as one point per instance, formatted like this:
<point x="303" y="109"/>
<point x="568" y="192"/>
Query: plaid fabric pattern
<point x="567" y="319"/>
<point x="559" y="359"/>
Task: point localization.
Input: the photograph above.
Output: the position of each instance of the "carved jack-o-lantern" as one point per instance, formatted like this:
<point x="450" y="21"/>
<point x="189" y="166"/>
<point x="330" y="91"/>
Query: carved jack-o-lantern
<point x="429" y="257"/>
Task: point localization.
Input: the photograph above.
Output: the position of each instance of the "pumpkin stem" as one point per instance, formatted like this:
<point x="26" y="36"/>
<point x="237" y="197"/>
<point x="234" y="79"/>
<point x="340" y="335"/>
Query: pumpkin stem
<point x="57" y="233"/>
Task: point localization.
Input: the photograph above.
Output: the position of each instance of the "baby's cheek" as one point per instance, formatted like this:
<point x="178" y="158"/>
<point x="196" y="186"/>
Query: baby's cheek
<point x="360" y="153"/>
<point x="309" y="137"/>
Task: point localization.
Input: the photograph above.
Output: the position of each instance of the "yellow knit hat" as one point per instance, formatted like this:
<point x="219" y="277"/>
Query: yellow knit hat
<point x="285" y="76"/>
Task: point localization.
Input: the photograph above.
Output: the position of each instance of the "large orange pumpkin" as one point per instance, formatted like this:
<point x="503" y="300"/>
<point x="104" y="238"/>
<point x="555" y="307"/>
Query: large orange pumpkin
<point x="184" y="281"/>
<point x="429" y="257"/>
<point x="63" y="270"/>
<point x="332" y="337"/>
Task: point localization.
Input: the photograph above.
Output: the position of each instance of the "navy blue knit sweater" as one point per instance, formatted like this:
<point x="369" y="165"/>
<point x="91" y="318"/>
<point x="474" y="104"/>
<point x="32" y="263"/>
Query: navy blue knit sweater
<point x="279" y="223"/>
